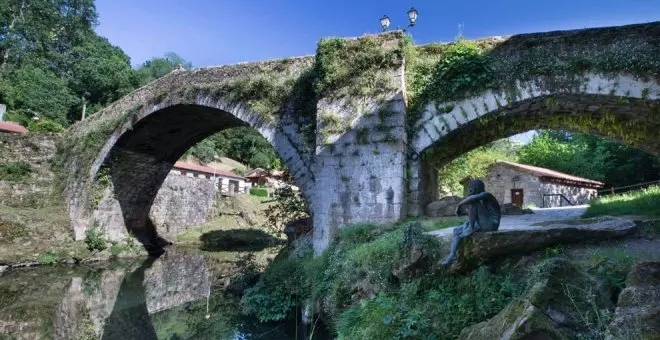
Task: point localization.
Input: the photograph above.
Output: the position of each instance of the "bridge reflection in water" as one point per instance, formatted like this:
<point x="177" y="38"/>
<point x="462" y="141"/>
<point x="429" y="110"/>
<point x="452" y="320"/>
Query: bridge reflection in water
<point x="180" y="295"/>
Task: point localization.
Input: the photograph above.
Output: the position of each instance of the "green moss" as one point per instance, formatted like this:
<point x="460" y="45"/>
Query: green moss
<point x="452" y="72"/>
<point x="15" y="171"/>
<point x="362" y="135"/>
<point x="354" y="67"/>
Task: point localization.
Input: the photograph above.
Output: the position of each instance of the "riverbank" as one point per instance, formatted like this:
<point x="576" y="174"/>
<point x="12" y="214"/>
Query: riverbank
<point x="384" y="282"/>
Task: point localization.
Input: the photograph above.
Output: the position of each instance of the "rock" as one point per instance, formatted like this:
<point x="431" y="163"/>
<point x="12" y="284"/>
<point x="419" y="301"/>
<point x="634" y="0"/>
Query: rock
<point x="638" y="310"/>
<point x="486" y="245"/>
<point x="445" y="206"/>
<point x="550" y="308"/>
<point x="294" y="229"/>
<point x="301" y="247"/>
<point x="3" y="268"/>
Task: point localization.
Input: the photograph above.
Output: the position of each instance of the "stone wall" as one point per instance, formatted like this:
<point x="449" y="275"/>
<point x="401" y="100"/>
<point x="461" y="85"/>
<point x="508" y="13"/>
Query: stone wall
<point x="502" y="179"/>
<point x="35" y="150"/>
<point x="182" y="202"/>
<point x="577" y="195"/>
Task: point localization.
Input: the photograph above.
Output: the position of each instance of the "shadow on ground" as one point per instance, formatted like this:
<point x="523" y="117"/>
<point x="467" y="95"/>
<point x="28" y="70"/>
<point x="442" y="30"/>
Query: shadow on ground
<point x="238" y="239"/>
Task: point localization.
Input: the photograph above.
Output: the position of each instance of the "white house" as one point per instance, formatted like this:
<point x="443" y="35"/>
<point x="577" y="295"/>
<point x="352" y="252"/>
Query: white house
<point x="226" y="181"/>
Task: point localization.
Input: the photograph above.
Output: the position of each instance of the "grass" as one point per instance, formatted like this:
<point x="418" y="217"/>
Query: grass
<point x="640" y="202"/>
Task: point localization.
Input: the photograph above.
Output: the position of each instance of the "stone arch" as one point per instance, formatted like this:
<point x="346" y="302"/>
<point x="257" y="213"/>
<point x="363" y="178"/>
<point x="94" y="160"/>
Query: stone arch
<point x="139" y="137"/>
<point x="621" y="107"/>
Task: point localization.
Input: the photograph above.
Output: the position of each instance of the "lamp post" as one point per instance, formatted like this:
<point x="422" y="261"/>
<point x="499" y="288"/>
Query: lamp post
<point x="412" y="18"/>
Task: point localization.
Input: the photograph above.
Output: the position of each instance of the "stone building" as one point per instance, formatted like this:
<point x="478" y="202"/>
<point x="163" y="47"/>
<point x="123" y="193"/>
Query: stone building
<point x="227" y="182"/>
<point x="522" y="185"/>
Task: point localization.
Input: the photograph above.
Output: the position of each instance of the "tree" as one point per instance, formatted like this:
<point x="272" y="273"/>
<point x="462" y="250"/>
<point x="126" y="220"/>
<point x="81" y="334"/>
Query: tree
<point x="474" y="163"/>
<point x="100" y="72"/>
<point x="590" y="157"/>
<point x="158" y="67"/>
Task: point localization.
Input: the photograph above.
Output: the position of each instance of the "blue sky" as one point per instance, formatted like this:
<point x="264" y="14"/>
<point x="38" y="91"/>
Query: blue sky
<point x="215" y="32"/>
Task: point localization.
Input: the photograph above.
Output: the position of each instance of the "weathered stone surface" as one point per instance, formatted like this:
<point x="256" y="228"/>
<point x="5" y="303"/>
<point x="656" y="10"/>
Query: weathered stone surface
<point x="445" y="206"/>
<point x="549" y="310"/>
<point x="182" y="202"/>
<point x="301" y="247"/>
<point x="295" y="229"/>
<point x="486" y="245"/>
<point x="638" y="308"/>
<point x="35" y="150"/>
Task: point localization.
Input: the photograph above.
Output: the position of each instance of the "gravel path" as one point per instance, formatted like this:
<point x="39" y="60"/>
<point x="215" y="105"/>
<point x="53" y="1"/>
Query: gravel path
<point x="526" y="221"/>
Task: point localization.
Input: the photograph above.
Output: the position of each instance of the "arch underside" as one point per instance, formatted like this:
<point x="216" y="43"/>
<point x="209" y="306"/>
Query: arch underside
<point x="632" y="121"/>
<point x="143" y="156"/>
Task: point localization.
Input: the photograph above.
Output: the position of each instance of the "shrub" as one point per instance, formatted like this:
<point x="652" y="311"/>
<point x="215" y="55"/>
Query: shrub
<point x="47" y="258"/>
<point x="116" y="249"/>
<point x="95" y="240"/>
<point x="260" y="192"/>
<point x="15" y="171"/>
<point x="289" y="206"/>
<point x="45" y="125"/>
<point x="276" y="293"/>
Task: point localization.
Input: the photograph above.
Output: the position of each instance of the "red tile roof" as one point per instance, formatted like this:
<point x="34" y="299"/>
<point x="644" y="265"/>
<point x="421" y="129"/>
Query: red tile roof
<point x="205" y="169"/>
<point x="12" y="127"/>
<point x="552" y="174"/>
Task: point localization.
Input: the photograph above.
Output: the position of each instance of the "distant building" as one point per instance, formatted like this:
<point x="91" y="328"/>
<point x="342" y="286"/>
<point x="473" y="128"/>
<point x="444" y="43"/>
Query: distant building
<point x="268" y="178"/>
<point x="522" y="184"/>
<point x="9" y="127"/>
<point x="226" y="182"/>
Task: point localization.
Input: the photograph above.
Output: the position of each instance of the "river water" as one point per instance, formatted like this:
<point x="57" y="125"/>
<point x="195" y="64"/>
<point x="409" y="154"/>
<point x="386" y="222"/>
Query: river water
<point x="181" y="295"/>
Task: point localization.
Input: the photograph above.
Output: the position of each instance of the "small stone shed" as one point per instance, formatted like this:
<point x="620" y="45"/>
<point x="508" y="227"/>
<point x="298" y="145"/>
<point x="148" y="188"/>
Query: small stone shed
<point x="522" y="185"/>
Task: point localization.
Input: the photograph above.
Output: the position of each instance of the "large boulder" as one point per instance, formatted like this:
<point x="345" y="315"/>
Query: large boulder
<point x="555" y="307"/>
<point x="445" y="206"/>
<point x="482" y="246"/>
<point x="638" y="309"/>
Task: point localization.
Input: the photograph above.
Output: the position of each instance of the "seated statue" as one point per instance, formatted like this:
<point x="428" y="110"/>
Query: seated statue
<point x="483" y="215"/>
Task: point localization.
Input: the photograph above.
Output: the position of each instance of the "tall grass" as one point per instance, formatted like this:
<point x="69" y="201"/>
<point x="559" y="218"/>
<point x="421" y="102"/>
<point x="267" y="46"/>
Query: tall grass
<point x="640" y="202"/>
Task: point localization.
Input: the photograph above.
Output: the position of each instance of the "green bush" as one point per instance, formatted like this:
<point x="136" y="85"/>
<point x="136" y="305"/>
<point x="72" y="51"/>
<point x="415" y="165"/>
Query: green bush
<point x="276" y="293"/>
<point x="47" y="258"/>
<point x="95" y="240"/>
<point x="353" y="281"/>
<point x="116" y="249"/>
<point x="15" y="171"/>
<point x="45" y="125"/>
<point x="260" y="192"/>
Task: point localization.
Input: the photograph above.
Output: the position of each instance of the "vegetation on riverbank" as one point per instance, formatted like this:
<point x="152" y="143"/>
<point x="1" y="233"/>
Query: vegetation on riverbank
<point x="639" y="202"/>
<point x="370" y="283"/>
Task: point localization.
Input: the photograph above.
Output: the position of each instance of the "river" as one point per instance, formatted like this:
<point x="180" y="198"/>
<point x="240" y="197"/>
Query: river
<point x="181" y="295"/>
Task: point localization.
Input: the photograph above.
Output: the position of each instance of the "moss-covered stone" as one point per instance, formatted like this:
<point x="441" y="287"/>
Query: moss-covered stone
<point x="561" y="303"/>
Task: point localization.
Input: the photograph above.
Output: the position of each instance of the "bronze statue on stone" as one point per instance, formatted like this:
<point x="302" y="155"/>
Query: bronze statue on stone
<point x="483" y="215"/>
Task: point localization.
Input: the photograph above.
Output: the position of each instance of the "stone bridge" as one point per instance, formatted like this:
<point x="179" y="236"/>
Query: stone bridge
<point x="364" y="124"/>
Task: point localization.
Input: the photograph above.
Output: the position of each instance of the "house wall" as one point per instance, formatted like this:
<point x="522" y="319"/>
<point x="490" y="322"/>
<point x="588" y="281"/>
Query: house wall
<point x="501" y="179"/>
<point x="577" y="195"/>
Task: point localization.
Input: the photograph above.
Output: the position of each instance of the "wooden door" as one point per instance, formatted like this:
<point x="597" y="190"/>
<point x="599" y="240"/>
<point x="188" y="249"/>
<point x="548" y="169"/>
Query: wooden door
<point x="517" y="197"/>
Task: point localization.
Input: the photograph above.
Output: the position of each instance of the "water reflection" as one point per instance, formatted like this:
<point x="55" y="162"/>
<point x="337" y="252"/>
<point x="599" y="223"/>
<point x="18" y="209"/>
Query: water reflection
<point x="180" y="295"/>
<point x="130" y="316"/>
